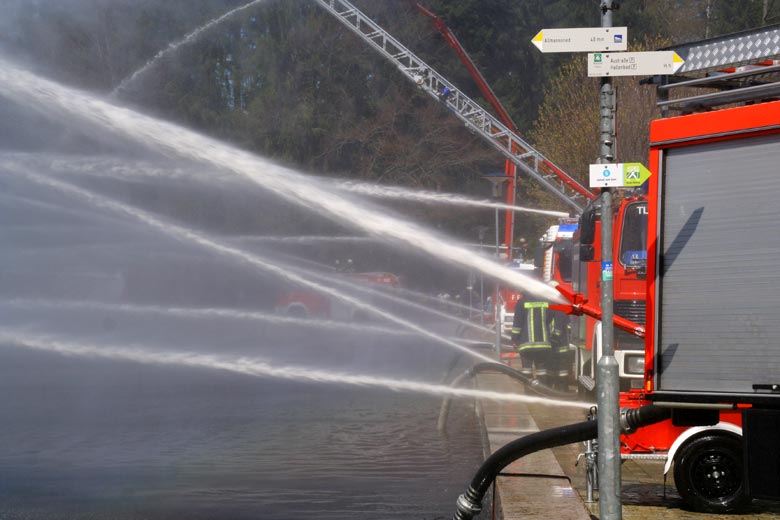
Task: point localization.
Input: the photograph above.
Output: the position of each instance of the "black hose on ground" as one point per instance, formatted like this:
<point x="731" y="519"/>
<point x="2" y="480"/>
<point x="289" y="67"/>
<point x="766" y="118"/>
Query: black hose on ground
<point x="469" y="504"/>
<point x="533" y="384"/>
<point x="453" y="363"/>
<point x="446" y="403"/>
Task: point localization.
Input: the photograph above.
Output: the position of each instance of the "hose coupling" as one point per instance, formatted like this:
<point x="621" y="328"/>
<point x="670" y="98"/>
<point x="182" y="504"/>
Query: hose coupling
<point x="466" y="507"/>
<point x="627" y="421"/>
<point x="633" y="418"/>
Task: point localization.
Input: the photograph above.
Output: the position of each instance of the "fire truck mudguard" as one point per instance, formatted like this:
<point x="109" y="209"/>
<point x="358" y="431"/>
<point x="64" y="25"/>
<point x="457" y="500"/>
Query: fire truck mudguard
<point x="682" y="439"/>
<point x="709" y="473"/>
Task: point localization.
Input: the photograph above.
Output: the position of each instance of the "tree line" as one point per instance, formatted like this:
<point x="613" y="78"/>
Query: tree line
<point x="286" y="80"/>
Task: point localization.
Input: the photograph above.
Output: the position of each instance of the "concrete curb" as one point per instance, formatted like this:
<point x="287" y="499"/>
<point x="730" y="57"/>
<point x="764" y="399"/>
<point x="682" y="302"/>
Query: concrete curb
<point x="535" y="486"/>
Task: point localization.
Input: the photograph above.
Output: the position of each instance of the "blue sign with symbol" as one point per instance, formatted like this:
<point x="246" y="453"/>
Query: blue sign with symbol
<point x="606" y="271"/>
<point x="633" y="258"/>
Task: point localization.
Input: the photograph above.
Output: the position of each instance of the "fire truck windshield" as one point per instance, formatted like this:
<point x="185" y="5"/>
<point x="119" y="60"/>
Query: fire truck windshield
<point x="564" y="250"/>
<point x="633" y="239"/>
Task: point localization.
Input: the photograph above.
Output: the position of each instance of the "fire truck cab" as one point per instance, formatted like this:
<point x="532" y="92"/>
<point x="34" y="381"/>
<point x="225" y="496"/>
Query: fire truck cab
<point x="629" y="283"/>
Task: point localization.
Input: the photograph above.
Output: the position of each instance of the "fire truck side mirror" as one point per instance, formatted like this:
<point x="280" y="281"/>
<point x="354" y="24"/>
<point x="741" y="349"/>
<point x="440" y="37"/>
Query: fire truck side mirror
<point x="587" y="253"/>
<point x="588" y="226"/>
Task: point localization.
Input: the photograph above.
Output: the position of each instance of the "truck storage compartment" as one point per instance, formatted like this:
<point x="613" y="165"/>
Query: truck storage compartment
<point x="719" y="320"/>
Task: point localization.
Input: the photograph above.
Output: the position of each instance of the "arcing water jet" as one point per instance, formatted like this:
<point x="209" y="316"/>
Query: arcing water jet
<point x="189" y="236"/>
<point x="433" y="299"/>
<point x="363" y="288"/>
<point x="53" y="99"/>
<point x="252" y="367"/>
<point x="55" y="208"/>
<point x="198" y="313"/>
<point x="127" y="169"/>
<point x="397" y="192"/>
<point x="190" y="37"/>
<point x="106" y="166"/>
<point x="301" y="239"/>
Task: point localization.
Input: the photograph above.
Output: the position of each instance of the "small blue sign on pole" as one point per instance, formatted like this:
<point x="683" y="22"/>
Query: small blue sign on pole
<point x="606" y="271"/>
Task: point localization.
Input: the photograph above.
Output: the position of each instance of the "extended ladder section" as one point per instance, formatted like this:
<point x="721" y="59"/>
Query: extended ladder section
<point x="476" y="75"/>
<point x="477" y="119"/>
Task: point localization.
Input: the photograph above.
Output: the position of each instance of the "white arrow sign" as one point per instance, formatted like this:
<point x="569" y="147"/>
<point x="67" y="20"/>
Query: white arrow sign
<point x="618" y="175"/>
<point x="601" y="64"/>
<point x="582" y="39"/>
<point x="606" y="175"/>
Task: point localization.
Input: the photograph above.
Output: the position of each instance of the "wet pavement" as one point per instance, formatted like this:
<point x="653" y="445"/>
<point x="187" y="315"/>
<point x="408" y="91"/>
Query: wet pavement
<point x="532" y="484"/>
<point x="558" y="490"/>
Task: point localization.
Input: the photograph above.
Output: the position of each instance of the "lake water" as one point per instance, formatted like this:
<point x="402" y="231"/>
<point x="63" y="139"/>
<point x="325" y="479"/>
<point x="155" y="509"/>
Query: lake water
<point x="84" y="438"/>
<point x="93" y="439"/>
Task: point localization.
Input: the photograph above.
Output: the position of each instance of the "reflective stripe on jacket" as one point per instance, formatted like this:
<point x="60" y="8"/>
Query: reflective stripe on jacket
<point x="530" y="326"/>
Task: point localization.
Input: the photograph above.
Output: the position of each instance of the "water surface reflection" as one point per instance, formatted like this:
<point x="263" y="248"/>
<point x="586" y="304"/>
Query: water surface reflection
<point x="99" y="439"/>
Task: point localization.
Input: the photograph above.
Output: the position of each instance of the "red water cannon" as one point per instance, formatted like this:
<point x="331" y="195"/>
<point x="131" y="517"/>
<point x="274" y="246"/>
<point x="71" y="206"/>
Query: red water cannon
<point x="579" y="306"/>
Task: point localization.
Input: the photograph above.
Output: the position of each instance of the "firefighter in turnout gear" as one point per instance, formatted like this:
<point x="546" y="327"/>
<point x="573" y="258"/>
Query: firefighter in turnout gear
<point x="561" y="358"/>
<point x="531" y="338"/>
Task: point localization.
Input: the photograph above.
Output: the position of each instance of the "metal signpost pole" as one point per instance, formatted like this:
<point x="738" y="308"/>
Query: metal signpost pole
<point x="481" y="230"/>
<point x="498" y="287"/>
<point x="607" y="381"/>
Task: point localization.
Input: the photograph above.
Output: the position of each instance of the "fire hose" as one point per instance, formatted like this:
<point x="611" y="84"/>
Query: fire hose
<point x="469" y="504"/>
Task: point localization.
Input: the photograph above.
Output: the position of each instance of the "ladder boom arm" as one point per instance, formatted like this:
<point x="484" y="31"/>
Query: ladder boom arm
<point x="479" y="79"/>
<point x="477" y="119"/>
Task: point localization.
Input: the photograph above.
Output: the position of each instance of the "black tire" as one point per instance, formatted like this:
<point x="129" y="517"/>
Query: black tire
<point x="709" y="474"/>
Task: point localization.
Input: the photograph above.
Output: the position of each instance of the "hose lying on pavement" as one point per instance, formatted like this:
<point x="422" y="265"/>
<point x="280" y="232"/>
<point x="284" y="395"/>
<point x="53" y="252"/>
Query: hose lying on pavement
<point x="533" y="384"/>
<point x="469" y="504"/>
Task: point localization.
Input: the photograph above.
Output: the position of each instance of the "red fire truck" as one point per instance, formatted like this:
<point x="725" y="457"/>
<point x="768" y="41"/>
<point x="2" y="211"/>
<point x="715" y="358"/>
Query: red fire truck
<point x="629" y="274"/>
<point x="710" y="268"/>
<point x="307" y="303"/>
<point x="712" y="348"/>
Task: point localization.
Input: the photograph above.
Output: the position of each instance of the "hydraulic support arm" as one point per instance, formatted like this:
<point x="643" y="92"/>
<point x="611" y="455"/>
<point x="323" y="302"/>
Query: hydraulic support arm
<point x="509" y="168"/>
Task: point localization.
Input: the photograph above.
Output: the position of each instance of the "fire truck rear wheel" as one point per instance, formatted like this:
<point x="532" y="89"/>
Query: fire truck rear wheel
<point x="708" y="473"/>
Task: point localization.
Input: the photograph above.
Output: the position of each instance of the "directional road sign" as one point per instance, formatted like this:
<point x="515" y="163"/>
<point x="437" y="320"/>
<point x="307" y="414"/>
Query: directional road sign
<point x="601" y="64"/>
<point x="618" y="175"/>
<point x="582" y="39"/>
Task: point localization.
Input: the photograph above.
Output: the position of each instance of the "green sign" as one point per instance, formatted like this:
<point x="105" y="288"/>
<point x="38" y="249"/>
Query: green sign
<point x="618" y="175"/>
<point x="634" y="174"/>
